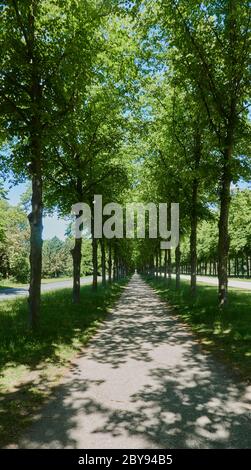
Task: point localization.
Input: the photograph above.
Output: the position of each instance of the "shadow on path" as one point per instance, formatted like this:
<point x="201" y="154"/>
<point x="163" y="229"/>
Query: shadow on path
<point x="144" y="382"/>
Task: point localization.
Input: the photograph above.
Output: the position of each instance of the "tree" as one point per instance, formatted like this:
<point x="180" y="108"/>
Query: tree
<point x="212" y="48"/>
<point x="86" y="150"/>
<point x="14" y="242"/>
<point x="46" y="46"/>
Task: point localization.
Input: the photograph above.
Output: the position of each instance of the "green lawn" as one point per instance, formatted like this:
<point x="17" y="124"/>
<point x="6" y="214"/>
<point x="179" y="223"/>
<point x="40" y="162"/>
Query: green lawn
<point x="31" y="364"/>
<point x="226" y="333"/>
<point x="10" y="283"/>
<point x="240" y="279"/>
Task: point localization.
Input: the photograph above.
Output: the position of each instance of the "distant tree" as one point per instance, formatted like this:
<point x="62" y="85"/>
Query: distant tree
<point x="14" y="243"/>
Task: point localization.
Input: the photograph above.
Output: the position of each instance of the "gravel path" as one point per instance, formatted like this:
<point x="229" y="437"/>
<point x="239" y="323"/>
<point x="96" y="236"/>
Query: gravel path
<point x="144" y="382"/>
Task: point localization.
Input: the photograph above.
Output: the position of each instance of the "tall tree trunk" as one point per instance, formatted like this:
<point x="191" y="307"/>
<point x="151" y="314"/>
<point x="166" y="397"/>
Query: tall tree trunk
<point x="160" y="264"/>
<point x="165" y="265"/>
<point x="103" y="261"/>
<point x="117" y="268"/>
<point x="229" y="267"/>
<point x="169" y="266"/>
<point x="223" y="245"/>
<point x="76" y="257"/>
<point x="248" y="267"/>
<point x="94" y="257"/>
<point x="152" y="266"/>
<point x="193" y="237"/>
<point x="177" y="264"/>
<point x="36" y="228"/>
<point x="109" y="262"/>
<point x="76" y="252"/>
<point x="224" y="241"/>
<point x="194" y="211"/>
<point x="114" y="262"/>
<point x="36" y="215"/>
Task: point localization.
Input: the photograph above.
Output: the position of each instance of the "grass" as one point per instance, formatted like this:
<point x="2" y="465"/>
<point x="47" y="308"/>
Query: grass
<point x="240" y="279"/>
<point x="31" y="364"/>
<point x="5" y="283"/>
<point x="245" y="279"/>
<point x="227" y="333"/>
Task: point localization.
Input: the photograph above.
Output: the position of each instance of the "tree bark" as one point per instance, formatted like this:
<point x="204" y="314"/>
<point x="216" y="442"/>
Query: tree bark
<point x="94" y="259"/>
<point x="177" y="264"/>
<point x="36" y="242"/>
<point x="165" y="265"/>
<point x="193" y="237"/>
<point x="36" y="215"/>
<point x="103" y="261"/>
<point x="169" y="266"/>
<point x="114" y="263"/>
<point x="160" y="264"/>
<point x="76" y="257"/>
<point x="248" y="267"/>
<point x="110" y="263"/>
<point x="224" y="242"/>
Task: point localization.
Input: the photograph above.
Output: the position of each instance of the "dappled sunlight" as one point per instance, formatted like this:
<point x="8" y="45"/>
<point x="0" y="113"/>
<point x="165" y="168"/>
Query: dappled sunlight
<point x="31" y="364"/>
<point x="225" y="332"/>
<point x="144" y="382"/>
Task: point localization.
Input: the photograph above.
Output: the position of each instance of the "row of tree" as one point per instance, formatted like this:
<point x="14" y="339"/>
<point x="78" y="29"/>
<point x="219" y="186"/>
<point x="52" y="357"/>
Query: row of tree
<point x="57" y="258"/>
<point x="195" y="77"/>
<point x="145" y="99"/>
<point x="67" y="73"/>
<point x="239" y="260"/>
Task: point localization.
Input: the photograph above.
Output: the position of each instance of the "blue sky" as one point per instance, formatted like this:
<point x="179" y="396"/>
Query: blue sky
<point x="53" y="226"/>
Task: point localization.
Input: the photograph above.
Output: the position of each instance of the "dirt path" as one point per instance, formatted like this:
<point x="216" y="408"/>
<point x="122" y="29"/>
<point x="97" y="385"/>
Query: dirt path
<point x="144" y="382"/>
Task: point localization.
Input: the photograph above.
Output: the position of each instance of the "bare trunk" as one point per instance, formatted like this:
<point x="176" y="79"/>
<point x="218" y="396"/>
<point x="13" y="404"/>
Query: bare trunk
<point x="110" y="263"/>
<point x="94" y="261"/>
<point x="114" y="263"/>
<point x="248" y="268"/>
<point x="169" y="266"/>
<point x="36" y="228"/>
<point x="160" y="264"/>
<point x="103" y="261"/>
<point x="194" y="214"/>
<point x="193" y="238"/>
<point x="36" y="215"/>
<point x="76" y="257"/>
<point x="223" y="245"/>
<point x="224" y="241"/>
<point x="165" y="265"/>
<point x="177" y="264"/>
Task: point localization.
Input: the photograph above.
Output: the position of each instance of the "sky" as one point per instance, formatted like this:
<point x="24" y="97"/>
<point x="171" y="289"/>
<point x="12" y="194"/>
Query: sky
<point x="53" y="226"/>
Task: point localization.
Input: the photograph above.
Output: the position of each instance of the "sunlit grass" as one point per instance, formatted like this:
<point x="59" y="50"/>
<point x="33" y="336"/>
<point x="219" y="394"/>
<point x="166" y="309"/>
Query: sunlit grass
<point x="226" y="332"/>
<point x="9" y="283"/>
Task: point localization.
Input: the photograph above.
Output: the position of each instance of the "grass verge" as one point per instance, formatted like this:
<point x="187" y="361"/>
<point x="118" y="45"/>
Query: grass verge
<point x="8" y="283"/>
<point x="31" y="364"/>
<point x="227" y="333"/>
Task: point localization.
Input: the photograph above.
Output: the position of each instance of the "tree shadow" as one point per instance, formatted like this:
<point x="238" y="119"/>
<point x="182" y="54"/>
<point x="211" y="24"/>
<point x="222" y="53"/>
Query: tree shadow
<point x="144" y="382"/>
<point x="61" y="324"/>
<point x="7" y="293"/>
